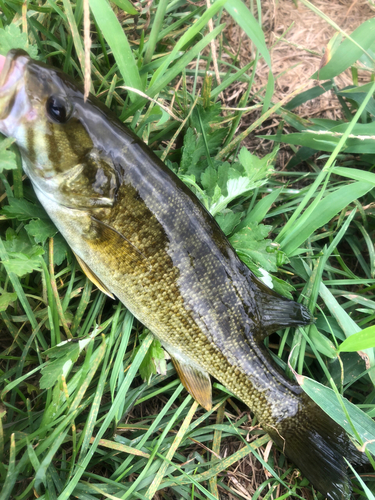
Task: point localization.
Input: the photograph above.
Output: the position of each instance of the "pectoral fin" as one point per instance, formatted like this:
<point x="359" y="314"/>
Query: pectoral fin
<point x="196" y="381"/>
<point x="111" y="244"/>
<point x="92" y="276"/>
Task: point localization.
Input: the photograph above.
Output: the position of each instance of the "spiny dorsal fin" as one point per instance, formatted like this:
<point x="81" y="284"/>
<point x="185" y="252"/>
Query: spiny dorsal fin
<point x="92" y="276"/>
<point x="196" y="381"/>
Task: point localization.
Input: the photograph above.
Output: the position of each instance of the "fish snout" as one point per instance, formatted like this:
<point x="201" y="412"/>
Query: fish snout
<point x="12" y="70"/>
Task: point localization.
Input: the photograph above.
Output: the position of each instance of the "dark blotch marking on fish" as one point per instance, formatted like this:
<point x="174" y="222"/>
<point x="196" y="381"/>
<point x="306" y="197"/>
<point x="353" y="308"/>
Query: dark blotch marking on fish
<point x="31" y="145"/>
<point x="78" y="139"/>
<point x="54" y="152"/>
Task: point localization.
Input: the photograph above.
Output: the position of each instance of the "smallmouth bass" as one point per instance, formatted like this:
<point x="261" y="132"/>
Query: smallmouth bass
<point x="141" y="235"/>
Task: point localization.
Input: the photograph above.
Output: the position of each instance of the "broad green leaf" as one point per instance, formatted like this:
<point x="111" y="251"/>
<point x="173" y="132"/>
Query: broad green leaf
<point x="364" y="339"/>
<point x="116" y="38"/>
<point x="21" y="264"/>
<point x="228" y="220"/>
<point x="60" y="366"/>
<point x="23" y="210"/>
<point x="253" y="247"/>
<point x="282" y="287"/>
<point x="351" y="364"/>
<point x="11" y="37"/>
<point x="7" y="158"/>
<point x="60" y="249"/>
<point x="6" y="298"/>
<point x="327" y="400"/>
<point x="66" y="354"/>
<point x="257" y="168"/>
<point x="6" y="142"/>
<point x="41" y="230"/>
<point x="235" y="187"/>
<point x="233" y="183"/>
<point x="358" y="98"/>
<point x="20" y="243"/>
<point x="189" y="155"/>
<point x="355" y="89"/>
<point x="67" y="347"/>
<point x="153" y="362"/>
<point x="21" y="294"/>
<point x="360" y="129"/>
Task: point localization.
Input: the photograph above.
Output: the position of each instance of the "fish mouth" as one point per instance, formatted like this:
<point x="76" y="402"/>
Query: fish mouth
<point x="12" y="69"/>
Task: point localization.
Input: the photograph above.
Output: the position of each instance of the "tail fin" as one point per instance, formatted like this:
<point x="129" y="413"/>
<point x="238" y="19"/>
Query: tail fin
<point x="317" y="445"/>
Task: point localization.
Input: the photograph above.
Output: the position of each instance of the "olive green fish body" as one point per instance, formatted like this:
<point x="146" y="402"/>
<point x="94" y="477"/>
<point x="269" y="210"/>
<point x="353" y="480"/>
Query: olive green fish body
<point x="150" y="242"/>
<point x="175" y="270"/>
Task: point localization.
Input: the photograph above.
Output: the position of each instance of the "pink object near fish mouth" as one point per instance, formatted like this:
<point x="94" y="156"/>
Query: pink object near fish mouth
<point x="12" y="70"/>
<point x="2" y="62"/>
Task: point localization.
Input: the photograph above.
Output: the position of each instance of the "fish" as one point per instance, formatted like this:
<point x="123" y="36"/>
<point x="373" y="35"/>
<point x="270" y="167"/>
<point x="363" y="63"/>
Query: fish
<point x="142" y="236"/>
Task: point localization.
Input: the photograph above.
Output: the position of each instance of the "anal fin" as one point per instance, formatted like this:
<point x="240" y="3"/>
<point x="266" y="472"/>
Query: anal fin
<point x="196" y="381"/>
<point x="93" y="277"/>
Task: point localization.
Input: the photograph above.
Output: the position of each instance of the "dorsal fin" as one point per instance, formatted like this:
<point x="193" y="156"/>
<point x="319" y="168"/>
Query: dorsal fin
<point x="276" y="311"/>
<point x="93" y="277"/>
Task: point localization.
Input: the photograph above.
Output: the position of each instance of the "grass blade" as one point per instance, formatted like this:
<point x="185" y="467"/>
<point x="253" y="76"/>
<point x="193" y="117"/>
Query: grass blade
<point x="244" y="18"/>
<point x="116" y="38"/>
<point x="65" y="495"/>
<point x="330" y="206"/>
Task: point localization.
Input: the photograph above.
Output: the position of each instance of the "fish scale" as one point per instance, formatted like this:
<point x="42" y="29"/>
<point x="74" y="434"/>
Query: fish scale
<point x="140" y="234"/>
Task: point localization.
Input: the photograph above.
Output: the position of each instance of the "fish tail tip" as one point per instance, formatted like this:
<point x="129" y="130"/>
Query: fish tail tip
<point x="317" y="445"/>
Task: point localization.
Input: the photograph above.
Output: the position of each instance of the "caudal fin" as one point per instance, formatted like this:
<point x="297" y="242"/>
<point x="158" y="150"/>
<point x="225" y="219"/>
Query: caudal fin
<point x="317" y="446"/>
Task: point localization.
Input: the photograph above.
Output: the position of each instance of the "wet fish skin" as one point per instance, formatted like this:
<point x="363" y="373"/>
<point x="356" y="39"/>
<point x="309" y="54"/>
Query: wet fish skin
<point x="150" y="242"/>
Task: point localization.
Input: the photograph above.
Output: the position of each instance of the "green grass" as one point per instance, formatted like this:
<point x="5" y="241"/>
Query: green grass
<point x="77" y="419"/>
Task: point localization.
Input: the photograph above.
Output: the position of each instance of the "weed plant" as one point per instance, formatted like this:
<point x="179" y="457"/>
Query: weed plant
<point x="89" y="406"/>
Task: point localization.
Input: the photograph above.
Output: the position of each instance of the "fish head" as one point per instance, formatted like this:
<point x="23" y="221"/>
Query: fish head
<point x="55" y="130"/>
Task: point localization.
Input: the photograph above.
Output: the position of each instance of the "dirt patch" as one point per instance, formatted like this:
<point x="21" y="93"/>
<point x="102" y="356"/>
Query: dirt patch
<point x="297" y="38"/>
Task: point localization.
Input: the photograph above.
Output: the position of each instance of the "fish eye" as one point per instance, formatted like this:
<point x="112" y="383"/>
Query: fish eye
<point x="58" y="109"/>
